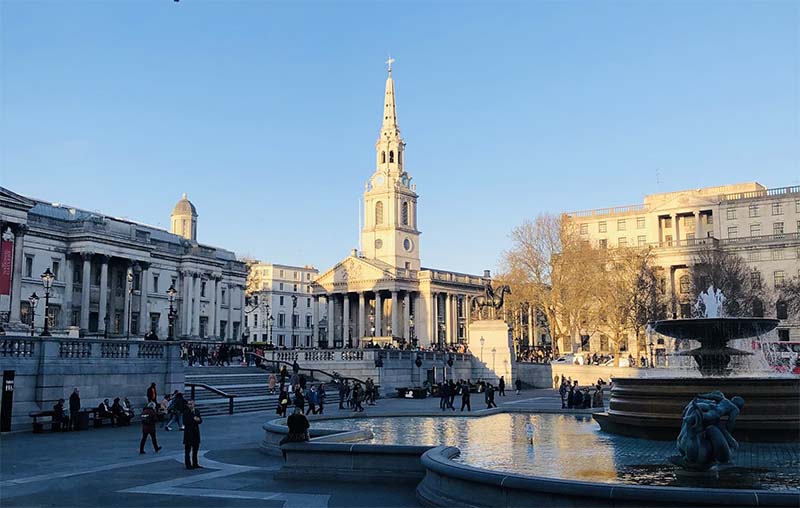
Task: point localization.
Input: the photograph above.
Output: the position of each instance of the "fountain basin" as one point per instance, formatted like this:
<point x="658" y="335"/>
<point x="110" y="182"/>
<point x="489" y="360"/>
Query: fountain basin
<point x="651" y="407"/>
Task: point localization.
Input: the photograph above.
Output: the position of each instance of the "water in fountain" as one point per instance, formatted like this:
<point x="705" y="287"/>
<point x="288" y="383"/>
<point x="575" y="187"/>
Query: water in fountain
<point x="710" y="303"/>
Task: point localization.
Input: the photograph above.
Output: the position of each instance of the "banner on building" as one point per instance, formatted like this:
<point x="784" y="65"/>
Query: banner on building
<point x="6" y="253"/>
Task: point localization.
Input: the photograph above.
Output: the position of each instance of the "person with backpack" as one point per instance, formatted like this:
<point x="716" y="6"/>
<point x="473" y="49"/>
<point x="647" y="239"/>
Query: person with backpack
<point x="177" y="408"/>
<point x="149" y="427"/>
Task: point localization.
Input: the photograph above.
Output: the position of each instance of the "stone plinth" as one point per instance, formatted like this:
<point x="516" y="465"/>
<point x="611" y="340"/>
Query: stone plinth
<point x="494" y="357"/>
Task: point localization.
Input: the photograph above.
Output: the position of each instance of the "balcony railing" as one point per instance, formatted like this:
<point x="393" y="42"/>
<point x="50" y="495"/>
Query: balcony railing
<point x="778" y="191"/>
<point x="616" y="210"/>
<point x="761" y="238"/>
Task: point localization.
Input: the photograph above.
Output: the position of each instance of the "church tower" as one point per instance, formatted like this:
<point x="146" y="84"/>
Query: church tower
<point x="390" y="200"/>
<point x="184" y="219"/>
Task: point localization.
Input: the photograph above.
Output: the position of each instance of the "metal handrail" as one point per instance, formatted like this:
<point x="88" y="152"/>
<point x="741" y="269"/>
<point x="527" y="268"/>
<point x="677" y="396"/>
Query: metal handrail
<point x="219" y="392"/>
<point x="335" y="376"/>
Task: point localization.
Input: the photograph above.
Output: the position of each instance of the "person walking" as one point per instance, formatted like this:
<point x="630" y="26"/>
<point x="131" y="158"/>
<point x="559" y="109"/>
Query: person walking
<point x="501" y="386"/>
<point x="562" y="390"/>
<point x="322" y="395"/>
<point x="299" y="399"/>
<point x="518" y="385"/>
<point x="342" y="393"/>
<point x="74" y="408"/>
<point x="283" y="402"/>
<point x="284" y="374"/>
<point x="311" y="396"/>
<point x="178" y="406"/>
<point x="149" y="427"/>
<point x="356" y="398"/>
<point x="272" y="382"/>
<point x="295" y="367"/>
<point x="465" y="397"/>
<point x="152" y="393"/>
<point x="490" y="396"/>
<point x="191" y="435"/>
<point x="444" y="395"/>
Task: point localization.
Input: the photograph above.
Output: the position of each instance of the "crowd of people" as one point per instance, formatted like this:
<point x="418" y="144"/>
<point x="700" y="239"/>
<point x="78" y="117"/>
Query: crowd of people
<point x="575" y="397"/>
<point x="212" y="355"/>
<point x="536" y="354"/>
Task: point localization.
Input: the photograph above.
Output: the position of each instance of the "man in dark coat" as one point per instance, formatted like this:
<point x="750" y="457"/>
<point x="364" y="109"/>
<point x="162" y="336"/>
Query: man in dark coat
<point x="295" y="367"/>
<point x="152" y="394"/>
<point x="74" y="408"/>
<point x="465" y="397"/>
<point x="191" y="434"/>
<point x="501" y="386"/>
<point x="149" y="427"/>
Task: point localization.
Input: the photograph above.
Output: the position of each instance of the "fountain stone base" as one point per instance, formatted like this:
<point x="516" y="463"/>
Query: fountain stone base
<point x="651" y="407"/>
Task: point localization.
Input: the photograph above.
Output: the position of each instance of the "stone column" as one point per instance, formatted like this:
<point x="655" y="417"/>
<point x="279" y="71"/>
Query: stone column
<point x="16" y="274"/>
<point x="697" y="225"/>
<point x="672" y="299"/>
<point x="241" y="311"/>
<point x="675" y="231"/>
<point x="314" y="321"/>
<point x="103" y="306"/>
<point x="217" y="305"/>
<point x="86" y="275"/>
<point x="186" y="306"/>
<point x="198" y="281"/>
<point x="331" y="319"/>
<point x="378" y="314"/>
<point x="361" y="318"/>
<point x="144" y="316"/>
<point x="395" y="314"/>
<point x="212" y="308"/>
<point x="127" y="300"/>
<point x="345" y="318"/>
<point x="407" y="315"/>
<point x="435" y="318"/>
<point x="68" y="283"/>
<point x="467" y="316"/>
<point x="229" y="325"/>
<point x="448" y="319"/>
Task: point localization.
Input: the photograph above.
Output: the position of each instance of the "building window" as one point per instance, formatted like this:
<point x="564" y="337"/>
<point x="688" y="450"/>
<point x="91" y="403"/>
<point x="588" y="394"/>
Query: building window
<point x="622" y="242"/>
<point x="603" y="342"/>
<point x="755" y="229"/>
<point x="781" y="310"/>
<point x="602" y="227"/>
<point x="777" y="228"/>
<point x="280" y="300"/>
<point x="731" y="214"/>
<point x="641" y="240"/>
<point x="779" y="276"/>
<point x="391" y="156"/>
<point x="295" y="320"/>
<point x="667" y="222"/>
<point x="281" y="274"/>
<point x="602" y="243"/>
<point x="55" y="269"/>
<point x="203" y="289"/>
<point x="379" y="212"/>
<point x="685" y="310"/>
<point x="308" y="276"/>
<point x="281" y="320"/>
<point x="621" y="225"/>
<point x="777" y="254"/>
<point x="755" y="278"/>
<point x="585" y="343"/>
<point x="281" y="339"/>
<point x="404" y="213"/>
<point x="255" y="321"/>
<point x="777" y="208"/>
<point x="383" y="157"/>
<point x="752" y="211"/>
<point x="308" y="320"/>
<point x="294" y="288"/>
<point x="222" y="295"/>
<point x="709" y="218"/>
<point x="308" y="303"/>
<point x="783" y="334"/>
<point x="754" y="255"/>
<point x="797" y="206"/>
<point x="280" y="286"/>
<point x="137" y="281"/>
<point x="28" y="266"/>
<point x="294" y="275"/>
<point x="685" y="283"/>
<point x="668" y="240"/>
<point x="155" y="283"/>
<point x="584" y="229"/>
<point x="733" y="231"/>
<point x="640" y="223"/>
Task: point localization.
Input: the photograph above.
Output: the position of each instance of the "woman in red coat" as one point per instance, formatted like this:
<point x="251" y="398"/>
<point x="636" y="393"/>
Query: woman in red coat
<point x="149" y="427"/>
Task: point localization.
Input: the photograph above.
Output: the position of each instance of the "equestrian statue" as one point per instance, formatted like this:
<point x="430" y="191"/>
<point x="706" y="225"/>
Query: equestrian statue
<point x="493" y="298"/>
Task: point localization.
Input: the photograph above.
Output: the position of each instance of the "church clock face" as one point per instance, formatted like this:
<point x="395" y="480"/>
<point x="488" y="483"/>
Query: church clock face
<point x="407" y="245"/>
<point x="378" y="243"/>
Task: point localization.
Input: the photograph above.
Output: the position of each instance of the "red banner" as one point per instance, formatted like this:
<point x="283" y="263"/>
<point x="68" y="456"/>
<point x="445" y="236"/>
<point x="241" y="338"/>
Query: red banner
<point x="6" y="252"/>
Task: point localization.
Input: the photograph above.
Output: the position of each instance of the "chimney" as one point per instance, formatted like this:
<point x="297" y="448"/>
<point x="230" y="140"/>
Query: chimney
<point x="487" y="274"/>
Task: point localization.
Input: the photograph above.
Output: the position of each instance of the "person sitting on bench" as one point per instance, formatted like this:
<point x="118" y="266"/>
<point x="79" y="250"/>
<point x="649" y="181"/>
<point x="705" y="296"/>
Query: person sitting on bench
<point x="103" y="411"/>
<point x="60" y="421"/>
<point x="123" y="418"/>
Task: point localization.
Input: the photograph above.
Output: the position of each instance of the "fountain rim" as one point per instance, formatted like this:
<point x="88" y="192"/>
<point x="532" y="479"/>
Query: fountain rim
<point x="680" y="328"/>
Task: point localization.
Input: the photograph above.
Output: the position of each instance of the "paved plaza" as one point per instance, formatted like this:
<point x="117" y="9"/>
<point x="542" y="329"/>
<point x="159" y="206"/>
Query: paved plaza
<point x="103" y="467"/>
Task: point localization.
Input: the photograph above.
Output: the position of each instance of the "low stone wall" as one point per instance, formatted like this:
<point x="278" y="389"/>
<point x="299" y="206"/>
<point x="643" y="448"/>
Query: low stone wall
<point x="48" y="368"/>
<point x="449" y="483"/>
<point x="541" y="375"/>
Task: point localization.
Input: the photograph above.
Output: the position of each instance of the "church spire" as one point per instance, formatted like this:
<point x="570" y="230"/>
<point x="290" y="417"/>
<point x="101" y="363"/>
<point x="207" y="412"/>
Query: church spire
<point x="390" y="145"/>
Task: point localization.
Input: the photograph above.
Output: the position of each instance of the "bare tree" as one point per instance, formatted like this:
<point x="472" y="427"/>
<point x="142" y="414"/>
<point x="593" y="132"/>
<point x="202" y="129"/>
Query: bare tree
<point x="789" y="294"/>
<point x="728" y="272"/>
<point x="550" y="266"/>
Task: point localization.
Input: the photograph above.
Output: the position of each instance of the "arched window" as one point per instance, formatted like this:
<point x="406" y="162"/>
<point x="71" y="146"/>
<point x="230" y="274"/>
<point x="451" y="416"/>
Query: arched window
<point x="379" y="212"/>
<point x="404" y="213"/>
<point x="383" y="157"/>
<point x="685" y="284"/>
<point x="391" y="155"/>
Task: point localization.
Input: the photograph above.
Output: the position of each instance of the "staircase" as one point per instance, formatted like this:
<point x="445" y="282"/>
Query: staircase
<point x="249" y="384"/>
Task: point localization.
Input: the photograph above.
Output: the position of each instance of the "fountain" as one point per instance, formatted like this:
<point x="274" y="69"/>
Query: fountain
<point x="651" y="407"/>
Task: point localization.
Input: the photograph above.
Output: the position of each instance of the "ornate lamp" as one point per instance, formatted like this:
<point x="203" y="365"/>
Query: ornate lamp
<point x="47" y="281"/>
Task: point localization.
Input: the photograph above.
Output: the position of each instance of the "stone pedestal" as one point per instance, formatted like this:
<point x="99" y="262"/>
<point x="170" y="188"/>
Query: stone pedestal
<point x="494" y="357"/>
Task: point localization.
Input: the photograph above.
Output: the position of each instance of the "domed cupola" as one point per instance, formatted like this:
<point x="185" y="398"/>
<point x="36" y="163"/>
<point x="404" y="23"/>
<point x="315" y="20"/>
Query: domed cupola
<point x="184" y="219"/>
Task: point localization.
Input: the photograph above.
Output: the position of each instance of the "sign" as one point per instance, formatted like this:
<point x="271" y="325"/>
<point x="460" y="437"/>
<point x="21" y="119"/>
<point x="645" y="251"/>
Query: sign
<point x="6" y="259"/>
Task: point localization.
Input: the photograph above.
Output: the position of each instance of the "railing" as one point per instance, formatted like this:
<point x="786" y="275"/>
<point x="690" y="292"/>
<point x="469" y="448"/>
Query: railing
<point x="111" y="350"/>
<point x="334" y="377"/>
<point x="761" y="238"/>
<point x="616" y="210"/>
<point x="323" y="355"/>
<point x="17" y="348"/>
<point x="778" y="191"/>
<point x="150" y="351"/>
<point x="688" y="242"/>
<point x="75" y="349"/>
<point x="219" y="392"/>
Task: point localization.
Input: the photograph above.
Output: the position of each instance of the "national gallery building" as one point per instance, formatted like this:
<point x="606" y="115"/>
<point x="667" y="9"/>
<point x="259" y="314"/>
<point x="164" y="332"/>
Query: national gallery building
<point x="112" y="277"/>
<point x="382" y="294"/>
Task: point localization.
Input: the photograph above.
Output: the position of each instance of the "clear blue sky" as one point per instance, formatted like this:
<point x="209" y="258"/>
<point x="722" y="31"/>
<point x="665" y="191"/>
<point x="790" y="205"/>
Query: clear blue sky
<point x="266" y="114"/>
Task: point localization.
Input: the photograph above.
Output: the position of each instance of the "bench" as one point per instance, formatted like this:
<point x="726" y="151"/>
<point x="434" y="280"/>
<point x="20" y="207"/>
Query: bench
<point x="38" y="427"/>
<point x="98" y="420"/>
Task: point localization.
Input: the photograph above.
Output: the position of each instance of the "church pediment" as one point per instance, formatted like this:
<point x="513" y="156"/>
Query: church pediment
<point x="353" y="269"/>
<point x="683" y="202"/>
<point x="13" y="200"/>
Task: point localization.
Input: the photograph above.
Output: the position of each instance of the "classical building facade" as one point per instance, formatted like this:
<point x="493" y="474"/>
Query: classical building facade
<point x="112" y="275"/>
<point x="382" y="293"/>
<point x="279" y="305"/>
<point x="761" y="225"/>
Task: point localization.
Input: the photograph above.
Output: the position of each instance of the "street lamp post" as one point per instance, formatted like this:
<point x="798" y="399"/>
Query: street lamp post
<point x="33" y="301"/>
<point x="651" y="353"/>
<point x="482" y="342"/>
<point x="494" y="351"/>
<point x="294" y="309"/>
<point x="47" y="282"/>
<point x="171" y="293"/>
<point x="271" y="320"/>
<point x="130" y="305"/>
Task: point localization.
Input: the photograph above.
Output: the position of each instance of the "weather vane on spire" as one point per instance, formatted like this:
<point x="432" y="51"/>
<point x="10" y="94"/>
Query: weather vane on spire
<point x="389" y="62"/>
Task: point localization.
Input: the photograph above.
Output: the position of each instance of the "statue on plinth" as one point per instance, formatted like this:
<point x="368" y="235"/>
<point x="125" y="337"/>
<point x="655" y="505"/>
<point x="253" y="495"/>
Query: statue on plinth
<point x="705" y="439"/>
<point x="493" y="299"/>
